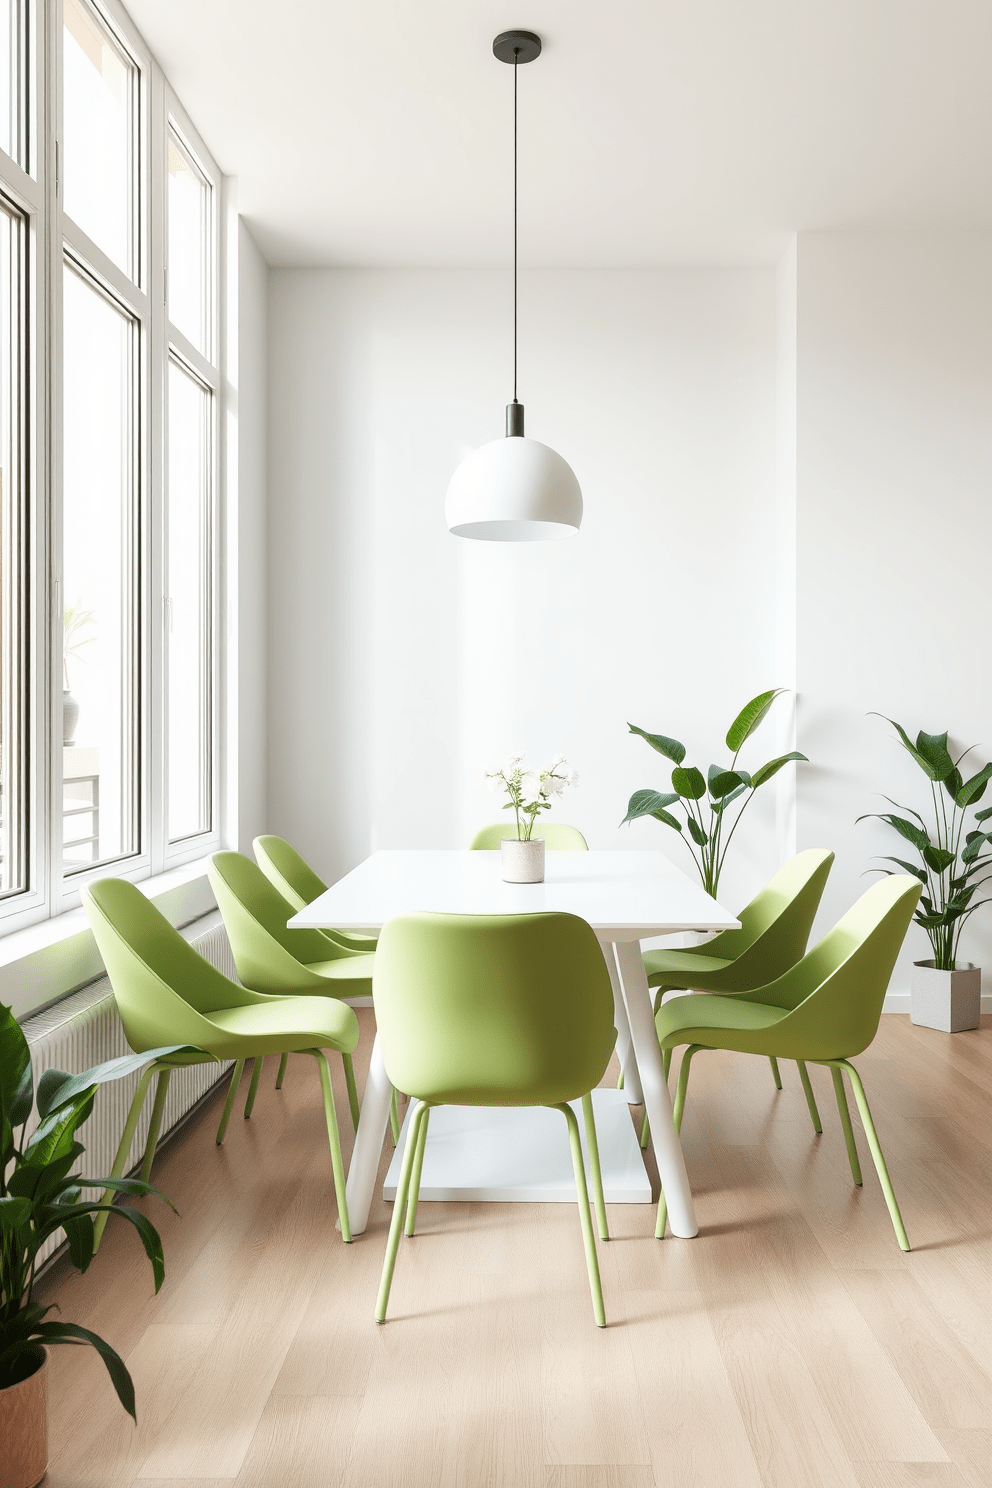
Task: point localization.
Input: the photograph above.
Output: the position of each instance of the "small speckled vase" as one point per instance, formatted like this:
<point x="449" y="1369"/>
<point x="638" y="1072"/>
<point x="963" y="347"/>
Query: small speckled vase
<point x="523" y="862"/>
<point x="24" y="1429"/>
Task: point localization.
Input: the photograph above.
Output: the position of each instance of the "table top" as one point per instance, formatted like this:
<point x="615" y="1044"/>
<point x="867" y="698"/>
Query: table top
<point x="631" y="895"/>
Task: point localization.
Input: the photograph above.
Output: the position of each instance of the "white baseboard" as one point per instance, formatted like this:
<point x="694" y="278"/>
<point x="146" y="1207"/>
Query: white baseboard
<point x="898" y="1002"/>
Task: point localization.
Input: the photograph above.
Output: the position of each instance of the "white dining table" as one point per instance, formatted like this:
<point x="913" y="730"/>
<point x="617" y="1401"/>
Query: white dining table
<point x="626" y="897"/>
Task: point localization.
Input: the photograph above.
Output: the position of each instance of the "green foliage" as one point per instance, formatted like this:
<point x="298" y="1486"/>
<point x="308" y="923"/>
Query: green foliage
<point x="953" y="860"/>
<point x="40" y="1195"/>
<point x="708" y="836"/>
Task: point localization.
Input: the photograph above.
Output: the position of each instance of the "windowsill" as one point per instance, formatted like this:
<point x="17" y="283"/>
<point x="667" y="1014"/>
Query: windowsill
<point x="45" y="962"/>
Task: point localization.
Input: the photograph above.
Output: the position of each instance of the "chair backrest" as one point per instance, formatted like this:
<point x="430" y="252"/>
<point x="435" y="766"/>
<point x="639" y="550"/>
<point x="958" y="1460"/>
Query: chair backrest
<point x="493" y="1010"/>
<point x="558" y="836"/>
<point x="165" y="991"/>
<point x="270" y="957"/>
<point x="287" y="871"/>
<point x="775" y="926"/>
<point x="836" y="992"/>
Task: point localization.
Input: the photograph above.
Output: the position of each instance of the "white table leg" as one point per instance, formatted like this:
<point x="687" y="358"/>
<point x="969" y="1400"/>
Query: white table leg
<point x="667" y="1149"/>
<point x="369" y="1138"/>
<point x="631" y="1079"/>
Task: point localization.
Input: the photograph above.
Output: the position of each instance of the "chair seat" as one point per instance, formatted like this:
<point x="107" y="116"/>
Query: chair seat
<point x="284" y="1025"/>
<point x="741" y="1026"/>
<point x="683" y="968"/>
<point x="347" y="969"/>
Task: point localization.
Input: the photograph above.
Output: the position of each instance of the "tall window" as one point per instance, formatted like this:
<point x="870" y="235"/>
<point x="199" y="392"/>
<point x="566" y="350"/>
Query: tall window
<point x="109" y="382"/>
<point x="13" y="648"/>
<point x="100" y="620"/>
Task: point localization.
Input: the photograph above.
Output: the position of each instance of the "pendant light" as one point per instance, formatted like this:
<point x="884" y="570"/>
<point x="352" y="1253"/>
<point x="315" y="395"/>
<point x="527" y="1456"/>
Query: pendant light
<point x="514" y="489"/>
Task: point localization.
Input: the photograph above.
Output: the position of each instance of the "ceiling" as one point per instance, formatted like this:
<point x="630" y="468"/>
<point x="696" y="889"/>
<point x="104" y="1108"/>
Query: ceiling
<point x="652" y="132"/>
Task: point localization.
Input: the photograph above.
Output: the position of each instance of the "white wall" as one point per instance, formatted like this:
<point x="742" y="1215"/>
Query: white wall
<point x="403" y="660"/>
<point x="894" y="508"/>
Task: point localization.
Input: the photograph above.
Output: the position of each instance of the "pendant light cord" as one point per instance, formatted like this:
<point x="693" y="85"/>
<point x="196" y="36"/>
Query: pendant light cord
<point x="516" y="52"/>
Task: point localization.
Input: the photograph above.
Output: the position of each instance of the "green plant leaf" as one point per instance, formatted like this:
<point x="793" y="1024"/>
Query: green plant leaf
<point x="773" y="766"/>
<point x="79" y="1233"/>
<point x="689" y="783"/>
<point x="13" y="1212"/>
<point x="73" y="1333"/>
<point x="722" y="782"/>
<point x="55" y="1087"/>
<point x="720" y="806"/>
<point x="937" y="858"/>
<point x="912" y="868"/>
<point x="696" y="832"/>
<point x="648" y="803"/>
<point x="933" y="748"/>
<point x="670" y="748"/>
<point x="912" y="748"/>
<point x="907" y="829"/>
<point x="973" y="789"/>
<point x="983" y="815"/>
<point x="668" y="819"/>
<point x="16" y="1084"/>
<point x="749" y="718"/>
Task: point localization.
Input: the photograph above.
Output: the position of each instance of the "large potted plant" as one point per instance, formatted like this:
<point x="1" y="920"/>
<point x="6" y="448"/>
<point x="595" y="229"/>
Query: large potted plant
<point x="954" y="864"/>
<point x="710" y="824"/>
<point x="38" y="1196"/>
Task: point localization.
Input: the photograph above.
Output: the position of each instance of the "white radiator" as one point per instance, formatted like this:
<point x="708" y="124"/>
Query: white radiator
<point x="84" y="1029"/>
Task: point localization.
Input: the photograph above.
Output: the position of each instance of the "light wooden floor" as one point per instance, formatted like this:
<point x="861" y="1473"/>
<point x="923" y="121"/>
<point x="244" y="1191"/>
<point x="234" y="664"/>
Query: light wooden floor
<point x="792" y="1343"/>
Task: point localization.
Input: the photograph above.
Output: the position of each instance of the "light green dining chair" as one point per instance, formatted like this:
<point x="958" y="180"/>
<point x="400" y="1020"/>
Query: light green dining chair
<point x="773" y="934"/>
<point x="506" y="1010"/>
<point x="167" y="993"/>
<point x="558" y="837"/>
<point x="299" y="885"/>
<point x="272" y="958"/>
<point x="824" y="1011"/>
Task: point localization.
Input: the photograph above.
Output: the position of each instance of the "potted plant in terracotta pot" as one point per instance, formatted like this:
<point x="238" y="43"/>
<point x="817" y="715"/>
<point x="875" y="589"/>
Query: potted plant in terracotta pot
<point x="38" y="1196"/>
<point x="954" y="864"/>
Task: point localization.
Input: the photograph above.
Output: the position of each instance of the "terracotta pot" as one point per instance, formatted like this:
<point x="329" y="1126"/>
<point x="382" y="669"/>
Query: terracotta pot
<point x="24" y="1429"/>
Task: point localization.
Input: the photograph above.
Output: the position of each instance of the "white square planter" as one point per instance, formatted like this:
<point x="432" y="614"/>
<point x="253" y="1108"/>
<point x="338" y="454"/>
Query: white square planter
<point x="948" y="1000"/>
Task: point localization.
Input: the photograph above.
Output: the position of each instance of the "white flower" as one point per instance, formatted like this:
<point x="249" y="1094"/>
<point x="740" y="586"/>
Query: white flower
<point x="494" y="781"/>
<point x="572" y="778"/>
<point x="553" y="785"/>
<point x="530" y="786"/>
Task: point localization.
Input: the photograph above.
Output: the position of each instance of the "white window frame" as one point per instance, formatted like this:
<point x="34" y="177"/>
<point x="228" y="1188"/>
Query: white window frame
<point x="48" y="235"/>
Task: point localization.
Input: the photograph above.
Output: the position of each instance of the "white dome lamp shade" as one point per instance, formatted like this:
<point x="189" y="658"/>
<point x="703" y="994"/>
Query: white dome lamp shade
<point x="514" y="489"/>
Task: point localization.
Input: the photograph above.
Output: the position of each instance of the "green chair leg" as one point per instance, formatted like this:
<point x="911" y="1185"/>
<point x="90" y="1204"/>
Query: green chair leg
<point x="418" y="1115"/>
<point x="592" y="1262"/>
<point x="334" y="1140"/>
<point x="620" y="1080"/>
<point x="876" y="1152"/>
<point x="256" y="1075"/>
<point x="845" y="1121"/>
<point x="776" y="1076"/>
<point x="155" y="1126"/>
<point x="666" y="1062"/>
<point x="394" y="1118"/>
<point x="349" y="1079"/>
<point x="810" y="1097"/>
<point x="282" y="1071"/>
<point x="413" y="1198"/>
<point x="239" y="1070"/>
<point x="645" y="1129"/>
<point x="592" y="1146"/>
<point x="124" y="1147"/>
<point x="679" y="1107"/>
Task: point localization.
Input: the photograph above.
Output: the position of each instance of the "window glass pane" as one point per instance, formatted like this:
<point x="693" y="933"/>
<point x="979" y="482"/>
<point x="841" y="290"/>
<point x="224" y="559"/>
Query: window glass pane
<point x="99" y="87"/>
<point x="10" y="59"/>
<point x="189" y="256"/>
<point x="99" y="717"/>
<point x="12" y="636"/>
<point x="189" y="606"/>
